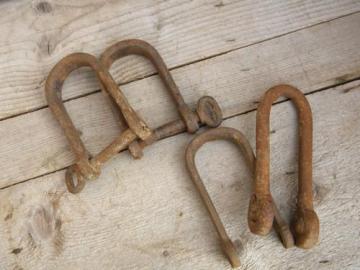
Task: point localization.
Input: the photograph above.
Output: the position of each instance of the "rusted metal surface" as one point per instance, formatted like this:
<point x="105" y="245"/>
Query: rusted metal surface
<point x="261" y="211"/>
<point x="239" y="140"/>
<point x="138" y="134"/>
<point x="208" y="112"/>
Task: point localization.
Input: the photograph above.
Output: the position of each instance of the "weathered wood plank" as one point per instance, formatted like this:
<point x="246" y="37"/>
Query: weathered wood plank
<point x="146" y="214"/>
<point x="316" y="57"/>
<point x="35" y="35"/>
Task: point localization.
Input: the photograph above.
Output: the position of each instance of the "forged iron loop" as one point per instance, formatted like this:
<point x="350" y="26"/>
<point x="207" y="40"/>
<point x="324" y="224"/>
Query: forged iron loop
<point x="191" y="119"/>
<point x="235" y="136"/>
<point x="261" y="214"/>
<point x="86" y="168"/>
<point x="144" y="49"/>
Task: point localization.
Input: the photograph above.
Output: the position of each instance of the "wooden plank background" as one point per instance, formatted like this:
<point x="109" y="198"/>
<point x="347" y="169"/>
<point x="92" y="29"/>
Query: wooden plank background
<point x="146" y="214"/>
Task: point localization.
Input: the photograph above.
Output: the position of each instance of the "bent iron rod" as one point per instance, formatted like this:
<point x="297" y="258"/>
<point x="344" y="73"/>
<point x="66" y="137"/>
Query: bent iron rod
<point x="144" y="49"/>
<point x="208" y="110"/>
<point x="261" y="213"/>
<point x="239" y="140"/>
<point x="87" y="167"/>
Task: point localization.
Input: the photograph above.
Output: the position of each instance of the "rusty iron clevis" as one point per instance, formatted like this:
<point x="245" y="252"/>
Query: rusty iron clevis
<point x="235" y="136"/>
<point x="137" y="135"/>
<point x="261" y="211"/>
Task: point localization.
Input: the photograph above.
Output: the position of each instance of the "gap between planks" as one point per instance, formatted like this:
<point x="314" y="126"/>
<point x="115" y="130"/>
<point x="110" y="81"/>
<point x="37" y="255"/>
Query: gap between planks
<point x="175" y="67"/>
<point x="224" y="119"/>
<point x="197" y="40"/>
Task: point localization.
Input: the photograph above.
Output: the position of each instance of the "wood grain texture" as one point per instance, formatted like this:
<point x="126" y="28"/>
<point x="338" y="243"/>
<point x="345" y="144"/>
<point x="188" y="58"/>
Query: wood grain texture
<point x="33" y="144"/>
<point x="37" y="34"/>
<point x="146" y="214"/>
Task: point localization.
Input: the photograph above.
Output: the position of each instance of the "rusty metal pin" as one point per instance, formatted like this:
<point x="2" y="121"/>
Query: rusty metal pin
<point x="239" y="140"/>
<point x="87" y="167"/>
<point x="208" y="113"/>
<point x="261" y="213"/>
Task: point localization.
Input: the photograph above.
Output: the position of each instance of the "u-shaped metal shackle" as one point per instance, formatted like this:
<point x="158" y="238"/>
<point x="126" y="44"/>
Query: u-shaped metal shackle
<point x="142" y="48"/>
<point x="235" y="136"/>
<point x="261" y="214"/>
<point x="87" y="167"/>
<point x="208" y="111"/>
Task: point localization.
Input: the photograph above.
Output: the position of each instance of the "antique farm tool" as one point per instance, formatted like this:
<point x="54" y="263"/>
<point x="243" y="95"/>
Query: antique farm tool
<point x="261" y="211"/>
<point x="239" y="140"/>
<point x="138" y="134"/>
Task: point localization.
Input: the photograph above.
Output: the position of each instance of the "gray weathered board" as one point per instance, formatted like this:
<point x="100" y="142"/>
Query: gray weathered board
<point x="146" y="214"/>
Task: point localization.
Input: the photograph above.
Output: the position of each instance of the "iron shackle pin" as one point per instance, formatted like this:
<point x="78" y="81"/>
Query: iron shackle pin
<point x="208" y="111"/>
<point x="87" y="167"/>
<point x="261" y="213"/>
<point x="235" y="136"/>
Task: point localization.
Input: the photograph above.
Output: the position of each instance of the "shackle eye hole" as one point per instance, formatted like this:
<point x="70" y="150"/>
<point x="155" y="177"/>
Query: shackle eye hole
<point x="74" y="180"/>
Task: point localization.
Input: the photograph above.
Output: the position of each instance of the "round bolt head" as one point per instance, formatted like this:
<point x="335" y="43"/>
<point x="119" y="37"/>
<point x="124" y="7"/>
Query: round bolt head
<point x="209" y="111"/>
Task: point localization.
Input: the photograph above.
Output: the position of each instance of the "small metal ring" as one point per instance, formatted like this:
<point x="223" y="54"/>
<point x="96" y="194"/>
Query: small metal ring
<point x="72" y="172"/>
